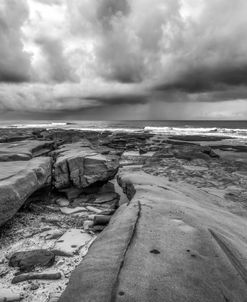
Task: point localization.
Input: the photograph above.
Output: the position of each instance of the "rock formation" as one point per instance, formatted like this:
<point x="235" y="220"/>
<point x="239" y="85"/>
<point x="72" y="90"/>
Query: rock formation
<point x="18" y="180"/>
<point x="78" y="165"/>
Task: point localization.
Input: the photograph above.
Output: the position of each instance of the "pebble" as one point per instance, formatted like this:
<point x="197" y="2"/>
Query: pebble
<point x="62" y="202"/>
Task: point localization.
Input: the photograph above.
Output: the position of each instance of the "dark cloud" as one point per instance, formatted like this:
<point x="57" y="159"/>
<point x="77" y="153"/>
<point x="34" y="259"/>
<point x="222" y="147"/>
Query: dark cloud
<point x="14" y="62"/>
<point x="203" y="79"/>
<point x="58" y="69"/>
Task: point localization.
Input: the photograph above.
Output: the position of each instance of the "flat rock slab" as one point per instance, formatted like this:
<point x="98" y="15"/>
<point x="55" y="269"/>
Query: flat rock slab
<point x="8" y="295"/>
<point x="27" y="260"/>
<point x="71" y="242"/>
<point x="78" y="165"/>
<point x="69" y="211"/>
<point x="171" y="242"/>
<point x="18" y="180"/>
<point x="106" y="198"/>
<point x="24" y="150"/>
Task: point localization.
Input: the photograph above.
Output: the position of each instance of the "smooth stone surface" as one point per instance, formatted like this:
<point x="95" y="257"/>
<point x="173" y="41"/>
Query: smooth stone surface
<point x="71" y="242"/>
<point x="27" y="260"/>
<point x="18" y="180"/>
<point x="93" y="209"/>
<point x="8" y="295"/>
<point x="171" y="242"/>
<point x="69" y="211"/>
<point x="106" y="198"/>
<point x="78" y="165"/>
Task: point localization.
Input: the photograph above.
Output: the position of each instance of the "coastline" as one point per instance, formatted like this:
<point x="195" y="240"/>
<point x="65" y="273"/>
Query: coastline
<point x="208" y="169"/>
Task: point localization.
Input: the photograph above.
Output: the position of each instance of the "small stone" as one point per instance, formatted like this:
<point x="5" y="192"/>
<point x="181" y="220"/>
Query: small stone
<point x="62" y="202"/>
<point x="34" y="286"/>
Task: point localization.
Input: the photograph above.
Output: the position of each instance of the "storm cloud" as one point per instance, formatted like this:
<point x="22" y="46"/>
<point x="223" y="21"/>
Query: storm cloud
<point x="14" y="62"/>
<point x="79" y="55"/>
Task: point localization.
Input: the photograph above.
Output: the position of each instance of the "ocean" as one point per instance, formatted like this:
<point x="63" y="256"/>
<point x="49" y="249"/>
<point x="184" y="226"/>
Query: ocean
<point x="237" y="129"/>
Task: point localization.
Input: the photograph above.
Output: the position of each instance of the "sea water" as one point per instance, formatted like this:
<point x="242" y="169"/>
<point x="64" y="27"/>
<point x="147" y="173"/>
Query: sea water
<point x="236" y="129"/>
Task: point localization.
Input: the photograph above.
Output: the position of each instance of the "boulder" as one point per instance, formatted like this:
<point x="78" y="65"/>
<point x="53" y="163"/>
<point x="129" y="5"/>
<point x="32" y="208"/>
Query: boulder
<point x="78" y="165"/>
<point x="24" y="150"/>
<point x="18" y="180"/>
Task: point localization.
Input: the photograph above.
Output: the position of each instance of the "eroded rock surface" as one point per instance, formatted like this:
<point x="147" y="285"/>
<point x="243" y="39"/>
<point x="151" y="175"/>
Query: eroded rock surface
<point x="18" y="180"/>
<point x="172" y="242"/>
<point x="78" y="165"/>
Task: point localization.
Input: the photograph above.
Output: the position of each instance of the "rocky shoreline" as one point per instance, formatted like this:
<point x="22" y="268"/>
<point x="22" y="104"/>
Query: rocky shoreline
<point x="63" y="191"/>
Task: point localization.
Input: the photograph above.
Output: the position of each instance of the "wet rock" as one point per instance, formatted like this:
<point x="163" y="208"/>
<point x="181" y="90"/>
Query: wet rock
<point x="78" y="165"/>
<point x="71" y="242"/>
<point x="18" y="181"/>
<point x="27" y="260"/>
<point x="8" y="295"/>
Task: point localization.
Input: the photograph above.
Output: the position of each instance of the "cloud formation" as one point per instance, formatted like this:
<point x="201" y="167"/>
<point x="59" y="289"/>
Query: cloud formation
<point x="100" y="53"/>
<point x="14" y="62"/>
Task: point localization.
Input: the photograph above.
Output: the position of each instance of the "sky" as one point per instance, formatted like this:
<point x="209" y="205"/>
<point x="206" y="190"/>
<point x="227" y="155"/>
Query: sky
<point x="123" y="59"/>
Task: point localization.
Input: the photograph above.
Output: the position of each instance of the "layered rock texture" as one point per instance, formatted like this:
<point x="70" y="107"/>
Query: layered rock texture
<point x="18" y="180"/>
<point x="78" y="165"/>
<point x="24" y="150"/>
<point x="172" y="242"/>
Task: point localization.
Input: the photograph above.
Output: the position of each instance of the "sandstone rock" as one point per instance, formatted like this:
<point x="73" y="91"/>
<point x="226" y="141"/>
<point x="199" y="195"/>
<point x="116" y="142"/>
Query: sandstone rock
<point x="177" y="243"/>
<point x="29" y="259"/>
<point x="71" y="242"/>
<point x="8" y="295"/>
<point x="78" y="165"/>
<point x="24" y="150"/>
<point x="18" y="180"/>
<point x="93" y="209"/>
<point x="106" y="198"/>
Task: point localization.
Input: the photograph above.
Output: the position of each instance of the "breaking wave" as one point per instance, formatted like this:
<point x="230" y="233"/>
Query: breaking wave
<point x="238" y="133"/>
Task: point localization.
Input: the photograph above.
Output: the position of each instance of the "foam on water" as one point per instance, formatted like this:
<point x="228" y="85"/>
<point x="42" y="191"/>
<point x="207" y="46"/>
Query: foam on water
<point x="237" y="133"/>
